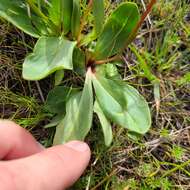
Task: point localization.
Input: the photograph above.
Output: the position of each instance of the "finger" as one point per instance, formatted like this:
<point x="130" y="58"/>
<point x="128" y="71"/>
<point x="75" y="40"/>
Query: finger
<point x="16" y="142"/>
<point x="55" y="168"/>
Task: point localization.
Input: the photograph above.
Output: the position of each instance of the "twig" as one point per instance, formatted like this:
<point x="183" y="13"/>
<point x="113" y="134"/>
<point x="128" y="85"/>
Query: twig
<point x="133" y="33"/>
<point x="148" y="17"/>
<point x="105" y="179"/>
<point x="40" y="91"/>
<point x="178" y="167"/>
<point x="108" y="60"/>
<point x="156" y="142"/>
<point x="143" y="17"/>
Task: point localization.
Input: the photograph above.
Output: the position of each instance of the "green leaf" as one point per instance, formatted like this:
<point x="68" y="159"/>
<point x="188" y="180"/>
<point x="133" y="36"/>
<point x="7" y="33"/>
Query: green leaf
<point x="78" y="119"/>
<point x="79" y="61"/>
<point x="123" y="105"/>
<point x="98" y="12"/>
<point x="108" y="70"/>
<point x="50" y="54"/>
<point x="55" y="121"/>
<point x="57" y="98"/>
<point x="144" y="66"/>
<point x="59" y="75"/>
<point x="106" y="126"/>
<point x="184" y="80"/>
<point x="75" y="21"/>
<point x="55" y="12"/>
<point x="60" y="13"/>
<point x="108" y="86"/>
<point x="67" y="15"/>
<point x="16" y="13"/>
<point x="117" y="30"/>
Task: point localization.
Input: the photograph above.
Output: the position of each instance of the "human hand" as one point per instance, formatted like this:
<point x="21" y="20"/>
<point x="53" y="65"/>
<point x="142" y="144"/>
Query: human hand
<point x="26" y="165"/>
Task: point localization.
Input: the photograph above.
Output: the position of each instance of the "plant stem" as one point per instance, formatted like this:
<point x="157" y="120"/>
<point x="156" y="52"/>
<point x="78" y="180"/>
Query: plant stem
<point x="143" y="17"/>
<point x="105" y="179"/>
<point x="114" y="58"/>
<point x="176" y="168"/>
<point x="133" y="33"/>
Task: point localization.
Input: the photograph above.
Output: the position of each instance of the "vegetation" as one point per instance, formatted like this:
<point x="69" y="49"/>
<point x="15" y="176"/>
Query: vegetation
<point x="64" y="44"/>
<point x="157" y="64"/>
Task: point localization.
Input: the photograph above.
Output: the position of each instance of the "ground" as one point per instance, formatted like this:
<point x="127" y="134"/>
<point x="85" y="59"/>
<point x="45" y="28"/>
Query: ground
<point x="158" y="160"/>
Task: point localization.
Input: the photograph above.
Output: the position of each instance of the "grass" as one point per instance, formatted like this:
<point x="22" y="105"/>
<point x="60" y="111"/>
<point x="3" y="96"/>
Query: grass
<point x="158" y="65"/>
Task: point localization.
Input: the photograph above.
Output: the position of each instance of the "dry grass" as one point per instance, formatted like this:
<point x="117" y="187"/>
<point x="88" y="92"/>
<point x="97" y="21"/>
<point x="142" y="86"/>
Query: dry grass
<point x="160" y="159"/>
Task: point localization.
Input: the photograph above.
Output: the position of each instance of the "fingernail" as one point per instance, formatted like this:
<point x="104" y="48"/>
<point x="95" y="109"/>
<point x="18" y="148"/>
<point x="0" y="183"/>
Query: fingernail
<point x="78" y="146"/>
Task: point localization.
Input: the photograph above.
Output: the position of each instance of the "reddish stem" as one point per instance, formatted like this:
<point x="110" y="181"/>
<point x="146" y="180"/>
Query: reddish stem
<point x="143" y="17"/>
<point x="114" y="58"/>
<point x="133" y="33"/>
<point x="145" y="14"/>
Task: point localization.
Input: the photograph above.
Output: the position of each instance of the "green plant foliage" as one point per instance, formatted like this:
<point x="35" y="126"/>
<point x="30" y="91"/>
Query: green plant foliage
<point x="98" y="12"/>
<point x="108" y="71"/>
<point x="50" y="54"/>
<point x="78" y="119"/>
<point x="55" y="12"/>
<point x="14" y="12"/>
<point x="60" y="13"/>
<point x="123" y="105"/>
<point x="77" y="36"/>
<point x="184" y="80"/>
<point x="56" y="103"/>
<point x="57" y="99"/>
<point x="59" y="75"/>
<point x="105" y="124"/>
<point x="177" y="152"/>
<point x="117" y="30"/>
<point x="75" y="21"/>
<point x="79" y="61"/>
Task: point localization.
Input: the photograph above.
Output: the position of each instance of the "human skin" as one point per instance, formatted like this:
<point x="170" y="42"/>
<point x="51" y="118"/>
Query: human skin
<point x="26" y="165"/>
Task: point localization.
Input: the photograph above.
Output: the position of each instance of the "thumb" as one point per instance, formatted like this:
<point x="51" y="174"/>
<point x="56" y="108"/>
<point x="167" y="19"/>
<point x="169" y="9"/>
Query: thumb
<point x="55" y="168"/>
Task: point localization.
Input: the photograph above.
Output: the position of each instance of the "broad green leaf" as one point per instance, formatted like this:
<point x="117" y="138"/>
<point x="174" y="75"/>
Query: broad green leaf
<point x="57" y="97"/>
<point x="106" y="126"/>
<point x="79" y="61"/>
<point x="75" y="21"/>
<point x="59" y="75"/>
<point x="110" y="87"/>
<point x="78" y="119"/>
<point x="55" y="121"/>
<point x="134" y="136"/>
<point x="50" y="54"/>
<point x="117" y="30"/>
<point x="16" y="13"/>
<point x="42" y="4"/>
<point x="67" y="15"/>
<point x="134" y="115"/>
<point x="108" y="70"/>
<point x="98" y="12"/>
<point x="55" y="12"/>
<point x="60" y="13"/>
